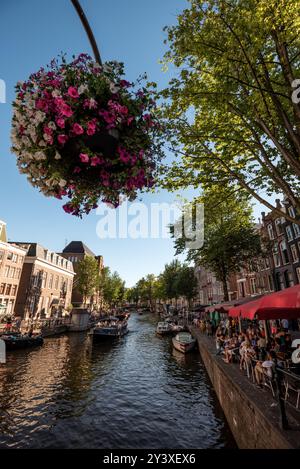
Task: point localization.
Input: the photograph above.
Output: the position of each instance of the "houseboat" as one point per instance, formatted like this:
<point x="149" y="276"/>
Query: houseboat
<point x="110" y="328"/>
<point x="183" y="342"/>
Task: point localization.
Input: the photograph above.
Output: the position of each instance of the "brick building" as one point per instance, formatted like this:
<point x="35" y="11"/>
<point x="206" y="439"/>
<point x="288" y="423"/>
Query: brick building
<point x="75" y="252"/>
<point x="11" y="263"/>
<point x="46" y="283"/>
<point x="210" y="290"/>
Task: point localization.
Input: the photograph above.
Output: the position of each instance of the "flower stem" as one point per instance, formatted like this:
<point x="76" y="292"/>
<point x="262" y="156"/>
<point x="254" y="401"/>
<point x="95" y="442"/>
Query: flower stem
<point x="88" y="30"/>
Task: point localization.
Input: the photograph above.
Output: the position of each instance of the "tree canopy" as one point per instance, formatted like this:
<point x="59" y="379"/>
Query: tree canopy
<point x="230" y="112"/>
<point x="230" y="236"/>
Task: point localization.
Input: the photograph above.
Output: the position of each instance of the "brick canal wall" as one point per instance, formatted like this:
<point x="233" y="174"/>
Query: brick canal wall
<point x="252" y="414"/>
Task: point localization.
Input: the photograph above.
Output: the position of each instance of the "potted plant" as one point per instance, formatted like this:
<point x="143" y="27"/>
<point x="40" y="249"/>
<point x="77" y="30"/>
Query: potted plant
<point x="81" y="131"/>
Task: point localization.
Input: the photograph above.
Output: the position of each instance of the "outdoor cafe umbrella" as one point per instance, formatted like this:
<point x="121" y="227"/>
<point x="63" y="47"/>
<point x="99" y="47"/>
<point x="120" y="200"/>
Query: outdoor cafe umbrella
<point x="283" y="304"/>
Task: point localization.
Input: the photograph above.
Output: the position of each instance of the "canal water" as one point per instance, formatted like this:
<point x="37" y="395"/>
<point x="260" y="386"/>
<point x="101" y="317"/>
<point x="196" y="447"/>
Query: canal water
<point x="135" y="393"/>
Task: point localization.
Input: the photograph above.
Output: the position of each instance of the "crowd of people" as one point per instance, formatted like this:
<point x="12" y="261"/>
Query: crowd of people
<point x="249" y="344"/>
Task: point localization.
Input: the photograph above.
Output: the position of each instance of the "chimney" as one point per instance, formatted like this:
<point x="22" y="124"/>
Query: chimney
<point x="278" y="204"/>
<point x="263" y="216"/>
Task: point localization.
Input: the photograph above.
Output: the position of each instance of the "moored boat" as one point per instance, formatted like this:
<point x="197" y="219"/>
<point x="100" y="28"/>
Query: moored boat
<point x="163" y="328"/>
<point x="18" y="341"/>
<point x="183" y="342"/>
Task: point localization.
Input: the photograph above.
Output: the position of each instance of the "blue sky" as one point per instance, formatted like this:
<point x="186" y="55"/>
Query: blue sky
<point x="31" y="34"/>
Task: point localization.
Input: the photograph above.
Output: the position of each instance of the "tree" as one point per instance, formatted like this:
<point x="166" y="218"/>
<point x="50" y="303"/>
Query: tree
<point x="230" y="112"/>
<point x="187" y="283"/>
<point x="112" y="287"/>
<point x="87" y="278"/>
<point x="231" y="239"/>
<point x="169" y="278"/>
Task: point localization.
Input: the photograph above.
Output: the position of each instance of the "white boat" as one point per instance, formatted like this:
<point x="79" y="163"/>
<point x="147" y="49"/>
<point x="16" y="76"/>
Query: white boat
<point x="184" y="342"/>
<point x="163" y="328"/>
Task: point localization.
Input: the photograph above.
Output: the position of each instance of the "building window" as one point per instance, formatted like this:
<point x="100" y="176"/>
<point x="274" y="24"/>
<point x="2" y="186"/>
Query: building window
<point x="289" y="279"/>
<point x="253" y="285"/>
<point x="44" y="282"/>
<point x="270" y="231"/>
<point x="271" y="283"/>
<point x="6" y="271"/>
<point x="279" y="229"/>
<point x="284" y="252"/>
<point x="281" y="282"/>
<point x="291" y="212"/>
<point x="12" y="272"/>
<point x="2" y="288"/>
<point x="14" y="290"/>
<point x="1" y="255"/>
<point x="276" y="256"/>
<point x="296" y="230"/>
<point x="9" y="256"/>
<point x="8" y="290"/>
<point x="15" y="258"/>
<point x="289" y="233"/>
<point x="18" y="273"/>
<point x="50" y="284"/>
<point x="294" y="253"/>
<point x="56" y="282"/>
<point x="298" y="274"/>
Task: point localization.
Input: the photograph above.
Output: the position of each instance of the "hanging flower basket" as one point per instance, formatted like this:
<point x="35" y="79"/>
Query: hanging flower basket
<point x="81" y="131"/>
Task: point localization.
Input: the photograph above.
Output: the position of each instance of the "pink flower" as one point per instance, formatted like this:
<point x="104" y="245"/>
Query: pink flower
<point x="84" y="158"/>
<point x="91" y="128"/>
<point x="62" y="139"/>
<point x="47" y="130"/>
<point x="124" y="155"/>
<point x="68" y="208"/>
<point x="90" y="103"/>
<point x="125" y="84"/>
<point x="129" y="120"/>
<point x="77" y="170"/>
<point x="148" y="119"/>
<point x="63" y="108"/>
<point x="42" y="105"/>
<point x="60" y="123"/>
<point x="96" y="161"/>
<point x="66" y="111"/>
<point x="77" y="129"/>
<point x="72" y="91"/>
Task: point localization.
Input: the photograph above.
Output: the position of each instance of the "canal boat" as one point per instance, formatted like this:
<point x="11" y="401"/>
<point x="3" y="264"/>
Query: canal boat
<point x="163" y="328"/>
<point x="19" y="341"/>
<point x="183" y="342"/>
<point x="110" y="328"/>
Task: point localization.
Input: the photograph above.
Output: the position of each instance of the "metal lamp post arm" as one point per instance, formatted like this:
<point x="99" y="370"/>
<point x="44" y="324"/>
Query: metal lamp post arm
<point x="88" y="30"/>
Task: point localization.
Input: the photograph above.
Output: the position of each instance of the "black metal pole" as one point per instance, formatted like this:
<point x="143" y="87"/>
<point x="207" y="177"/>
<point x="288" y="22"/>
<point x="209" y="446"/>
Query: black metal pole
<point x="284" y="424"/>
<point x="88" y="30"/>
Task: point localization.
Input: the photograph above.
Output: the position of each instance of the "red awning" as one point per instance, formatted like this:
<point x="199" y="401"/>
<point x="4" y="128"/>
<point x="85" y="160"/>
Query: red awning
<point x="284" y="304"/>
<point x="228" y="306"/>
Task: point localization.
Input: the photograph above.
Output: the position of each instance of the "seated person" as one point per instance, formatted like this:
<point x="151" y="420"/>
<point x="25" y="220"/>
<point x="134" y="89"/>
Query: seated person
<point x="264" y="368"/>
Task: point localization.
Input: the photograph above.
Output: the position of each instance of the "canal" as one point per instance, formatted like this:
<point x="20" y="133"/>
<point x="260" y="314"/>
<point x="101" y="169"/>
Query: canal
<point x="136" y="393"/>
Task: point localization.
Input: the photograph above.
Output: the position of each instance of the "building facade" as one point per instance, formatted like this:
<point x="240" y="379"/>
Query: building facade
<point x="210" y="290"/>
<point x="11" y="263"/>
<point x="46" y="283"/>
<point x="75" y="252"/>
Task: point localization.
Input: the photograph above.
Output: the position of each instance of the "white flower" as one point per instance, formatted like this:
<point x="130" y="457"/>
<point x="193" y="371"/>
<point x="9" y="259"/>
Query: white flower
<point x="40" y="155"/>
<point x="107" y="68"/>
<point x="26" y="141"/>
<point x="42" y="143"/>
<point x="62" y="183"/>
<point x="82" y="89"/>
<point x="52" y="125"/>
<point x="56" y="94"/>
<point x="57" y="156"/>
<point x="113" y="87"/>
<point x="40" y="116"/>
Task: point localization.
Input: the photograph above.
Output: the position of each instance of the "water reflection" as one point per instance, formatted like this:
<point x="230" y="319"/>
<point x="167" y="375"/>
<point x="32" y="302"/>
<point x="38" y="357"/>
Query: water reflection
<point x="136" y="392"/>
